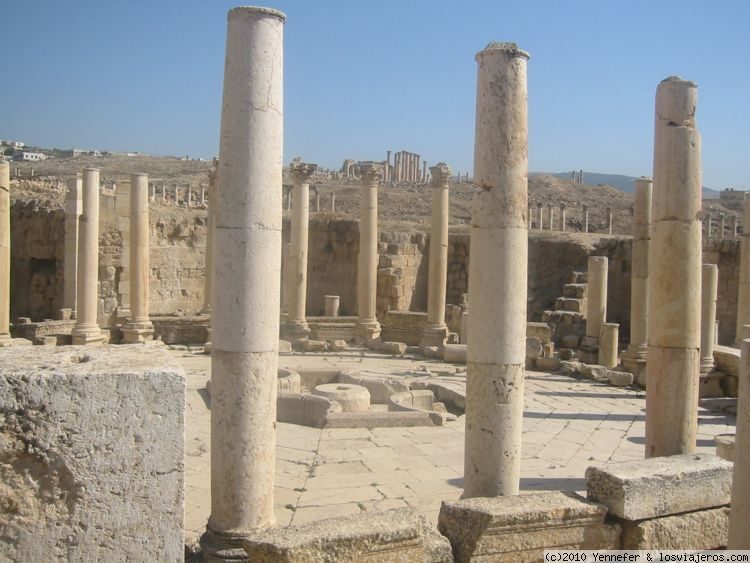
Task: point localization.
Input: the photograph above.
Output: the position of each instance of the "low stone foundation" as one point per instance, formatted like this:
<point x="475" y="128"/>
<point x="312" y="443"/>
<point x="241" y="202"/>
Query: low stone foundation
<point x="91" y="454"/>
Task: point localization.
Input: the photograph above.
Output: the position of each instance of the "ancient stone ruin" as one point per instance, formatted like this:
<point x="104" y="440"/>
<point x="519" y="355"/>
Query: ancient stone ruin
<point x="218" y="370"/>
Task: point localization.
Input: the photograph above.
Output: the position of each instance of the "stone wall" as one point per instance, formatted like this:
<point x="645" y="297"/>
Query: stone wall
<point x="91" y="454"/>
<point x="178" y="238"/>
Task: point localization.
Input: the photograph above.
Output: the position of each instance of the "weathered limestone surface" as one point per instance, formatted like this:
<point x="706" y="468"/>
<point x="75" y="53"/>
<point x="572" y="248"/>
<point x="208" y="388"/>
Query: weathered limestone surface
<point x="743" y="295"/>
<point x="634" y="358"/>
<point x="4" y="250"/>
<point x="739" y="528"/>
<point x="674" y="311"/>
<point x="608" y="340"/>
<point x="245" y="300"/>
<point x="705" y="529"/>
<point x="91" y="454"/>
<point x="73" y="207"/>
<point x="398" y="536"/>
<point x="87" y="330"/>
<point x="498" y="275"/>
<point x="520" y="528"/>
<point x="660" y="486"/>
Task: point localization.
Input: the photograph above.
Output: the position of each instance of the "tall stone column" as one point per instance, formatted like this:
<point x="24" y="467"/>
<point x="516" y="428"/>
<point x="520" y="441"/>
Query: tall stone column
<point x="367" y="327"/>
<point x="709" y="293"/>
<point x="585" y="218"/>
<point x="164" y="192"/>
<point x="86" y="329"/>
<point x="674" y="311"/>
<point x="739" y="516"/>
<point x="733" y="226"/>
<point x="436" y="331"/>
<point x="722" y="225"/>
<point x="203" y="194"/>
<point x="540" y="217"/>
<point x="550" y="217"/>
<point x="333" y="202"/>
<point x="609" y="220"/>
<point x="73" y="207"/>
<point x="634" y="358"/>
<point x="245" y="300"/>
<point x="122" y="210"/>
<point x="139" y="327"/>
<point x="563" y="218"/>
<point x="387" y="171"/>
<point x="596" y="296"/>
<point x="498" y="276"/>
<point x="4" y="252"/>
<point x="296" y="327"/>
<point x="743" y="296"/>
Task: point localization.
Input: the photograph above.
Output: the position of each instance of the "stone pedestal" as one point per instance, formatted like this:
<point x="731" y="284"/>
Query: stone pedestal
<point x="87" y="330"/>
<point x="245" y="300"/>
<point x="73" y="206"/>
<point x="634" y="358"/>
<point x="596" y="295"/>
<point x="332" y="305"/>
<point x="674" y="313"/>
<point x="609" y="334"/>
<point x="436" y="331"/>
<point x="739" y="519"/>
<point x="367" y="328"/>
<point x="743" y="297"/>
<point x="139" y="327"/>
<point x="296" y="327"/>
<point x="498" y="276"/>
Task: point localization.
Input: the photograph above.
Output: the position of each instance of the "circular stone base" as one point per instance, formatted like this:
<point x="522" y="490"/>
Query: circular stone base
<point x="351" y="397"/>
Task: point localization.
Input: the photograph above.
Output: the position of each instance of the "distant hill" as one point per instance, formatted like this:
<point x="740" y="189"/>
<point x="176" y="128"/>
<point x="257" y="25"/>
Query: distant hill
<point x="619" y="181"/>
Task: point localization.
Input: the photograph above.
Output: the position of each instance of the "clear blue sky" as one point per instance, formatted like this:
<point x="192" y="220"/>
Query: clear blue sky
<point x="362" y="77"/>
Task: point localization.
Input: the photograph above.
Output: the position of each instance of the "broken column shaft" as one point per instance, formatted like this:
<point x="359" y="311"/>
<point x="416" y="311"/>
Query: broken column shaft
<point x="498" y="276"/>
<point x="245" y="300"/>
<point x="674" y="312"/>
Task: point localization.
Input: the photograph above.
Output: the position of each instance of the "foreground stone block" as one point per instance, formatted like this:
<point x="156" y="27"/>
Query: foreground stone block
<point x="401" y="535"/>
<point x="519" y="528"/>
<point x="660" y="486"/>
<point x="725" y="446"/>
<point x="91" y="454"/>
<point x="705" y="529"/>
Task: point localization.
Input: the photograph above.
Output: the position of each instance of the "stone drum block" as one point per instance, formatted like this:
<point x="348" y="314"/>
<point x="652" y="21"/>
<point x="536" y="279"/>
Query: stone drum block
<point x="91" y="454"/>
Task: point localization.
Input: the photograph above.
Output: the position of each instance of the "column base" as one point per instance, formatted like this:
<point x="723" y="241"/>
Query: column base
<point x="134" y="333"/>
<point x="123" y="315"/>
<point x="207" y="344"/>
<point x="6" y="341"/>
<point x="434" y="335"/>
<point x="707" y="365"/>
<point x="709" y="385"/>
<point x="218" y="547"/>
<point x="589" y="350"/>
<point x="367" y="332"/>
<point x="295" y="331"/>
<point x="635" y="364"/>
<point x="87" y="336"/>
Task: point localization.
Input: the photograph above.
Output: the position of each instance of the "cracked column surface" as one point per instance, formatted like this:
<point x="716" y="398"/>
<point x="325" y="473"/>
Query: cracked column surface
<point x="86" y="329"/>
<point x="596" y="296"/>
<point x="739" y="517"/>
<point x="709" y="293"/>
<point x="245" y="299"/>
<point x="73" y="206"/>
<point x="436" y="332"/>
<point x="4" y="250"/>
<point x="498" y="276"/>
<point x="139" y="327"/>
<point x="674" y="310"/>
<point x="296" y="327"/>
<point x="743" y="296"/>
<point x="367" y="327"/>
<point x="634" y="358"/>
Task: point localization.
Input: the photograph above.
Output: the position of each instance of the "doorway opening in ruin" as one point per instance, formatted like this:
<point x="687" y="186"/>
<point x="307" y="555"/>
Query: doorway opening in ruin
<point x="42" y="288"/>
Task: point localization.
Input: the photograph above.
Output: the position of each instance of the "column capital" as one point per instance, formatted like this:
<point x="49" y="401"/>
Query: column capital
<point x="441" y="175"/>
<point x="301" y="171"/>
<point x="371" y="172"/>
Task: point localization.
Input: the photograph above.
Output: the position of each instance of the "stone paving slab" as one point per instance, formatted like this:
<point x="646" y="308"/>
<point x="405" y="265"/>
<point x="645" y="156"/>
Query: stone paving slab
<point x="569" y="425"/>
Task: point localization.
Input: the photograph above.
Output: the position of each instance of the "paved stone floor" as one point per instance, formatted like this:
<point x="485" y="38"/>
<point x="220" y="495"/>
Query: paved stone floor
<point x="569" y="424"/>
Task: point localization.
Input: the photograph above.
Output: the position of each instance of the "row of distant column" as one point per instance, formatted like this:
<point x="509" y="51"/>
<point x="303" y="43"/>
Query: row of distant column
<point x="174" y="197"/>
<point x="81" y="267"/>
<point x="541" y="218"/>
<point x="407" y="167"/>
